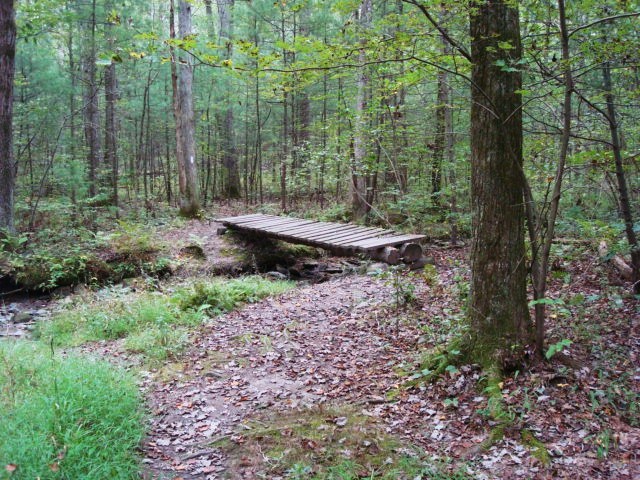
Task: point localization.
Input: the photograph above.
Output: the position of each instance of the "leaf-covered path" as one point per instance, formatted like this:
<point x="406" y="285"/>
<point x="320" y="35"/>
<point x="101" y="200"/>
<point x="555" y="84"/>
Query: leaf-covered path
<point x="316" y="344"/>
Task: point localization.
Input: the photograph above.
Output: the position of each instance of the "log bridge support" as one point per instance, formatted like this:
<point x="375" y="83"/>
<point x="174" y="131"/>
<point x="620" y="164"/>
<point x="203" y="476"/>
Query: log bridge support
<point x="339" y="238"/>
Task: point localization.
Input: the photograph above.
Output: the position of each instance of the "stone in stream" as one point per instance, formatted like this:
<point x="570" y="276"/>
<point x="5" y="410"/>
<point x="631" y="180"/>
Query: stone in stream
<point x="22" y="317"/>
<point x="276" y="275"/>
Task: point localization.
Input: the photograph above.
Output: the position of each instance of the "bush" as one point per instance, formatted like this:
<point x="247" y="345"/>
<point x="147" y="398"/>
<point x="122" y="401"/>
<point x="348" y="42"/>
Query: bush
<point x="66" y="417"/>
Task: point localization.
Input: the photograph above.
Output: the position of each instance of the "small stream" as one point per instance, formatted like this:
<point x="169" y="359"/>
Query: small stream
<point x="20" y="312"/>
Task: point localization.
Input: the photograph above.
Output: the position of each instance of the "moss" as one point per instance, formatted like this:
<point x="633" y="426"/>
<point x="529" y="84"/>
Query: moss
<point x="392" y="395"/>
<point x="319" y="437"/>
<point x="536" y="447"/>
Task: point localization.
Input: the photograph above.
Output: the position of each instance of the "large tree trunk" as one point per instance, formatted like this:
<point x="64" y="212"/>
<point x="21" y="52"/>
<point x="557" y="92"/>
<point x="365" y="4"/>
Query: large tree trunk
<point x="498" y="313"/>
<point x="7" y="69"/>
<point x="359" y="203"/>
<point x="91" y="111"/>
<point x="229" y="157"/>
<point x="185" y="125"/>
<point x="623" y="191"/>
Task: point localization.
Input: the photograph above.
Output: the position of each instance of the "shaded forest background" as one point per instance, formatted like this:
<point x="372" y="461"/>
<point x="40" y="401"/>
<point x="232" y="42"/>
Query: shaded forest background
<point x="282" y="116"/>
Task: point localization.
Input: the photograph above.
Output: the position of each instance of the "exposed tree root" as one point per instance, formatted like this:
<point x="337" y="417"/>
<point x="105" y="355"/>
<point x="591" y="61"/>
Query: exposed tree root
<point x="458" y="353"/>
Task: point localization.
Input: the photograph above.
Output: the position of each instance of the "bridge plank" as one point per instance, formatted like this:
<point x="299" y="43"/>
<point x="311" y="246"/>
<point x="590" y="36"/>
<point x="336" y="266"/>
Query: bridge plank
<point x="340" y="237"/>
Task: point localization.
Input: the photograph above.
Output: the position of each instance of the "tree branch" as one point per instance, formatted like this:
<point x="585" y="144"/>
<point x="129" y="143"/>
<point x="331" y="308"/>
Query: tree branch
<point x="602" y="20"/>
<point x="443" y="32"/>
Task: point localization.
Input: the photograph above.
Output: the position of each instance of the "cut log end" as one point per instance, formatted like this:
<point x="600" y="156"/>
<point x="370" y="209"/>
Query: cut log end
<point x="410" y="252"/>
<point x="390" y="255"/>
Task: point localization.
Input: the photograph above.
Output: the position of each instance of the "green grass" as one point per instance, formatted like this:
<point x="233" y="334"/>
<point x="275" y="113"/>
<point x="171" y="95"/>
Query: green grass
<point x="114" y="319"/>
<point x="222" y="296"/>
<point x="154" y="325"/>
<point x="66" y="417"/>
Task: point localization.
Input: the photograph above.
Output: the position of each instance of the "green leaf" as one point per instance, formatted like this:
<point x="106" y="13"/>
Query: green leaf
<point x="451" y="369"/>
<point x="557" y="347"/>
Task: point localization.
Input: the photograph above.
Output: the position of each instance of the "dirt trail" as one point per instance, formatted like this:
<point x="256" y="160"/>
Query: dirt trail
<point x="282" y="353"/>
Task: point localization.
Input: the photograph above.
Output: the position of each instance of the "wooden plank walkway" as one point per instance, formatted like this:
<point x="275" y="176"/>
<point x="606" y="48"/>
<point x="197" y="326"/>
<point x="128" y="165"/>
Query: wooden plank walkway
<point x="339" y="237"/>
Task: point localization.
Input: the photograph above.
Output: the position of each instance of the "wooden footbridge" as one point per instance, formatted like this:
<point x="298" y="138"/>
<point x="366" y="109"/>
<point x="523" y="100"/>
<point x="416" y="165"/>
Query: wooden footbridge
<point x="341" y="238"/>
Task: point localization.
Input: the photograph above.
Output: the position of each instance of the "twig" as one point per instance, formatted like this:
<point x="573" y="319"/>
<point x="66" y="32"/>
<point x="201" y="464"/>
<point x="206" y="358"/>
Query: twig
<point x="4" y="294"/>
<point x="197" y="454"/>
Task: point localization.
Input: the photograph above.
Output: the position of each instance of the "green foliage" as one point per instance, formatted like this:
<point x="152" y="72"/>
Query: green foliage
<point x="66" y="417"/>
<point x="557" y="347"/>
<point x="222" y="296"/>
<point x="158" y="342"/>
<point x="134" y="240"/>
<point x="11" y="242"/>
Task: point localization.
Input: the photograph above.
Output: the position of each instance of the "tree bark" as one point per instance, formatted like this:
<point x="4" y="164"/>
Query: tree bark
<point x="498" y="313"/>
<point x="7" y="69"/>
<point x="185" y="123"/>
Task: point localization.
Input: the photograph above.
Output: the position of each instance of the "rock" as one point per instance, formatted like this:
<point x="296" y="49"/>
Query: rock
<point x="421" y="263"/>
<point x="193" y="250"/>
<point x="221" y="230"/>
<point x="410" y="252"/>
<point x="22" y="317"/>
<point x="377" y="267"/>
<point x="276" y="275"/>
<point x="294" y="273"/>
<point x="390" y="255"/>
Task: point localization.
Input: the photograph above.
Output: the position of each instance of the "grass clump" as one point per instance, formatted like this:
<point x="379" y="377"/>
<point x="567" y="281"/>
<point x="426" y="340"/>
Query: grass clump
<point x="223" y="296"/>
<point x="152" y="325"/>
<point x="66" y="417"/>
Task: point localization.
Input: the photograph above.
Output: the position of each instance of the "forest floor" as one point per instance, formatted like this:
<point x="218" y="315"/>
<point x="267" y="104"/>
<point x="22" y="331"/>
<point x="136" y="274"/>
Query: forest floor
<point x="324" y="380"/>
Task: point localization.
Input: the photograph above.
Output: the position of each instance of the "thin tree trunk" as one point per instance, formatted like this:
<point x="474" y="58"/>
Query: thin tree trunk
<point x="72" y="96"/>
<point x="91" y="112"/>
<point x="623" y="191"/>
<point x="229" y="154"/>
<point x="359" y="203"/>
<point x="285" y="126"/>
<point x="8" y="167"/>
<point x="110" y="144"/>
<point x="167" y="144"/>
<point x="186" y="156"/>
<point x="541" y="235"/>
